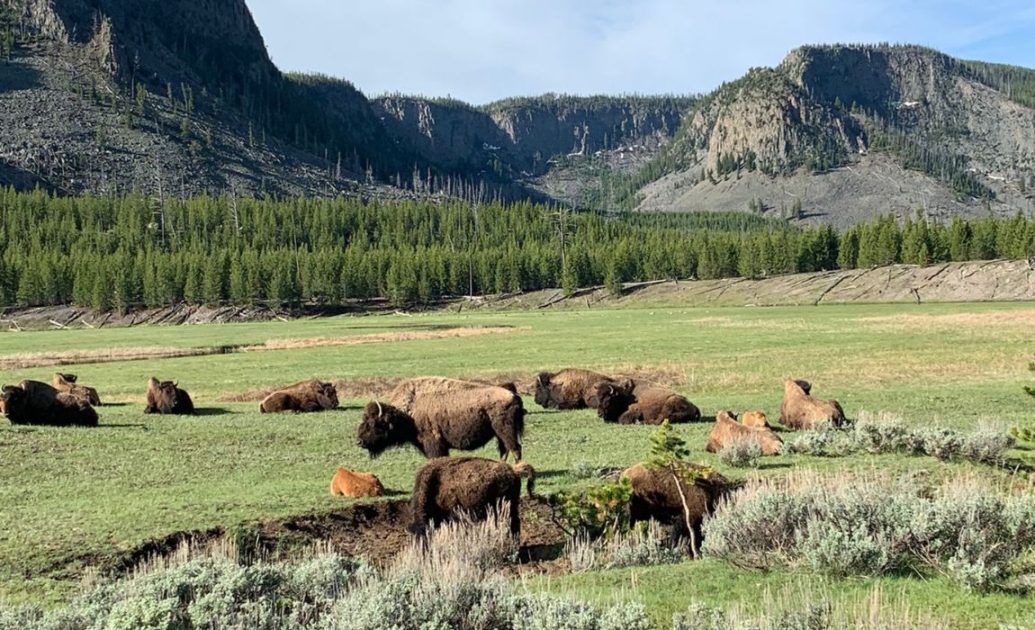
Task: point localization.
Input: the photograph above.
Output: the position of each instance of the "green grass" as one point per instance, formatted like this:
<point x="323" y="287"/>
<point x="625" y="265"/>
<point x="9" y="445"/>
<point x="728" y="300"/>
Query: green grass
<point x="70" y="496"/>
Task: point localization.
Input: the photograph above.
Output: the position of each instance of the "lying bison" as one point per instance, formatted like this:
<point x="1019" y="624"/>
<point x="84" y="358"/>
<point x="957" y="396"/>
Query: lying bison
<point x="32" y="402"/>
<point x="166" y="397"/>
<point x="355" y="485"/>
<point x="727" y="431"/>
<point x="799" y="410"/>
<point x="471" y="486"/>
<point x="307" y="396"/>
<point x="568" y="389"/>
<point x="656" y="495"/>
<point x="628" y="402"/>
<point x="436" y="415"/>
<point x="756" y="419"/>
<point x="67" y="384"/>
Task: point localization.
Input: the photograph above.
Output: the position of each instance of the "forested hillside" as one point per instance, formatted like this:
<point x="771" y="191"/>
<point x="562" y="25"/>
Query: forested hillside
<point x="126" y="251"/>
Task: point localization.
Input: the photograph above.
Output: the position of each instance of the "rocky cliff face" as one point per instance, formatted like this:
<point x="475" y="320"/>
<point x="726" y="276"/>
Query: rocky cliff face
<point x="831" y="107"/>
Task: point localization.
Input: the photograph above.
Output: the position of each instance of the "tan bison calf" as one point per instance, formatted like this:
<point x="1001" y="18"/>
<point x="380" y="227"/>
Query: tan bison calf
<point x="355" y="485"/>
<point x="628" y="402"/>
<point x="166" y="397"/>
<point x="755" y="419"/>
<point x="67" y="384"/>
<point x="304" y="397"/>
<point x="436" y="415"/>
<point x="799" y="410"/>
<point x="450" y="486"/>
<point x="727" y="431"/>
<point x="572" y="388"/>
<point x="655" y="495"/>
<point x="35" y="403"/>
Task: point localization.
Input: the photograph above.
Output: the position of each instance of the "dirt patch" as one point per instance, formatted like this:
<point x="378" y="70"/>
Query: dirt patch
<point x="78" y="357"/>
<point x="374" y="531"/>
<point x="1021" y="318"/>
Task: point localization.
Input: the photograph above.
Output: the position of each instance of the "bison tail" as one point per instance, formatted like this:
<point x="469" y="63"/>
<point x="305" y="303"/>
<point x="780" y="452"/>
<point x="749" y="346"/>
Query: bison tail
<point x="519" y="418"/>
<point x="524" y="469"/>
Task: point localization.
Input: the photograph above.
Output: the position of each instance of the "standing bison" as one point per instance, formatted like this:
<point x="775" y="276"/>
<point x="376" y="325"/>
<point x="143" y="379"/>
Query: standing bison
<point x="799" y="410"/>
<point x="307" y="396"/>
<point x="728" y="431"/>
<point x="628" y="402"/>
<point x="68" y="384"/>
<point x="436" y="415"/>
<point x="568" y="389"/>
<point x="166" y="397"/>
<point x="451" y="486"/>
<point x="35" y="403"/>
<point x="656" y="495"/>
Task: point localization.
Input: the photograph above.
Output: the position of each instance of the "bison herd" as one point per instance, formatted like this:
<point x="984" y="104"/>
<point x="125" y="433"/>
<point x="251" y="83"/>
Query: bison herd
<point x="438" y="415"/>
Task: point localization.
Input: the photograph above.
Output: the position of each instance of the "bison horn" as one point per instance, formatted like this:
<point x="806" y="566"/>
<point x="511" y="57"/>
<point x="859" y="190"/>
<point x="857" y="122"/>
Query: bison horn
<point x="380" y="411"/>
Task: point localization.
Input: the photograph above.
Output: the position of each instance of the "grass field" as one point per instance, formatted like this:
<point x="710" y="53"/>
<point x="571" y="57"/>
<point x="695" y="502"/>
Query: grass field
<point x="72" y="496"/>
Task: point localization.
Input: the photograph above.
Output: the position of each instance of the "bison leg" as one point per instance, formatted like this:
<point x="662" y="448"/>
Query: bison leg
<point x="150" y="409"/>
<point x="434" y="448"/>
<point x="632" y="415"/>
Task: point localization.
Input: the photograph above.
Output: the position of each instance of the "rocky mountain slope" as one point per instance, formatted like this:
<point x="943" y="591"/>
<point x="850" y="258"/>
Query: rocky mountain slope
<point x="845" y="132"/>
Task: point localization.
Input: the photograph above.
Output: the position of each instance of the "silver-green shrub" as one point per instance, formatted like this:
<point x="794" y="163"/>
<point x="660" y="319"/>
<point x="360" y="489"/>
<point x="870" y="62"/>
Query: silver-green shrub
<point x="741" y="454"/>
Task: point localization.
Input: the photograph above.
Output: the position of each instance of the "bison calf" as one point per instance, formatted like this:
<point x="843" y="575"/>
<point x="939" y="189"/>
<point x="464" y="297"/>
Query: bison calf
<point x="307" y="396"/>
<point x="436" y="415"/>
<point x="628" y="402"/>
<point x="471" y="486"/>
<point x="166" y="397"/>
<point x="728" y="431"/>
<point x="355" y="485"/>
<point x="35" y="403"/>
<point x="799" y="410"/>
<point x="68" y="384"/>
<point x="568" y="389"/>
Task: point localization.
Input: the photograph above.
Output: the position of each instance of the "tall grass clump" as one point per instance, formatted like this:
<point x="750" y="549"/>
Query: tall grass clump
<point x="879" y="434"/>
<point x="644" y="545"/>
<point x="450" y="580"/>
<point x="874" y="525"/>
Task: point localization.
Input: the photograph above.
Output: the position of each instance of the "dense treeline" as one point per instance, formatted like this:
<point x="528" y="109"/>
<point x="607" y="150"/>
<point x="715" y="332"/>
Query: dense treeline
<point x="119" y="252"/>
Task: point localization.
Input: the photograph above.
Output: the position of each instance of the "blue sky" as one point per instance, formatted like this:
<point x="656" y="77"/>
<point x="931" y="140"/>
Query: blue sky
<point x="482" y="50"/>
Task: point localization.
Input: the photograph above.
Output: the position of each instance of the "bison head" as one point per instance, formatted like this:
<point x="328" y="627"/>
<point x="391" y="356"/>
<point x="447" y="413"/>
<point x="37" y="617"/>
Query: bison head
<point x="68" y="378"/>
<point x="331" y="393"/>
<point x="804" y="385"/>
<point x="613" y="398"/>
<point x="382" y="427"/>
<point x="543" y="393"/>
<point x="12" y="398"/>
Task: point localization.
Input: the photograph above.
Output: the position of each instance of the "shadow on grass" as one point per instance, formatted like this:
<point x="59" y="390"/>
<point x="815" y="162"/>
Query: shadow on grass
<point x="122" y="425"/>
<point x="212" y="411"/>
<point x="118" y="404"/>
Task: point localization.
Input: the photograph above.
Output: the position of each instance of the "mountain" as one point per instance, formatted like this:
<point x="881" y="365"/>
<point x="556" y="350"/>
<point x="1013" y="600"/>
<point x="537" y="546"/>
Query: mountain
<point x="179" y="97"/>
<point x="842" y="133"/>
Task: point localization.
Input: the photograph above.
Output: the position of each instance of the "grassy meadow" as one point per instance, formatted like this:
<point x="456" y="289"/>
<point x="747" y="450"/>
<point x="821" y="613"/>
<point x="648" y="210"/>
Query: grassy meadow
<point x="72" y="496"/>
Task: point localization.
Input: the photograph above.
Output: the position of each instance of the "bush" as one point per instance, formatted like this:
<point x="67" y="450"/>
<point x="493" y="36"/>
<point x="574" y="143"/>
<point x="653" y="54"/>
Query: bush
<point x="645" y="545"/>
<point x="741" y="454"/>
<point x="598" y="511"/>
<point x="859" y="526"/>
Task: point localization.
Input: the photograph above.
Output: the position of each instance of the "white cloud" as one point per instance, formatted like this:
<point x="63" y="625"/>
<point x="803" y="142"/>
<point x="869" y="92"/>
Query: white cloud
<point x="480" y="50"/>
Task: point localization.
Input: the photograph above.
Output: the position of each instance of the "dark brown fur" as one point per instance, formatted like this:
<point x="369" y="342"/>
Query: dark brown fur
<point x="728" y="431"/>
<point x="627" y="402"/>
<point x="304" y="397"/>
<point x="799" y="410"/>
<point x="448" y="486"/>
<point x="436" y="415"/>
<point x="31" y="403"/>
<point x="68" y="384"/>
<point x="165" y="397"/>
<point x="655" y="495"/>
<point x="568" y="389"/>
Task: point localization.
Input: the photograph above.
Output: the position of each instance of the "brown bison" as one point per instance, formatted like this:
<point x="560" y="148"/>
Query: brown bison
<point x="568" y="389"/>
<point x="728" y="431"/>
<point x="799" y="410"/>
<point x="67" y="384"/>
<point x="449" y="486"/>
<point x="655" y="495"/>
<point x="628" y="402"/>
<point x="32" y="402"/>
<point x="166" y="397"/>
<point x="355" y="485"/>
<point x="307" y="396"/>
<point x="436" y="415"/>
<point x="755" y="419"/>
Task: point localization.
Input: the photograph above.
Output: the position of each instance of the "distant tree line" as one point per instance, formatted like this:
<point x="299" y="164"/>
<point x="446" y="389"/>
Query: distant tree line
<point x="114" y="253"/>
